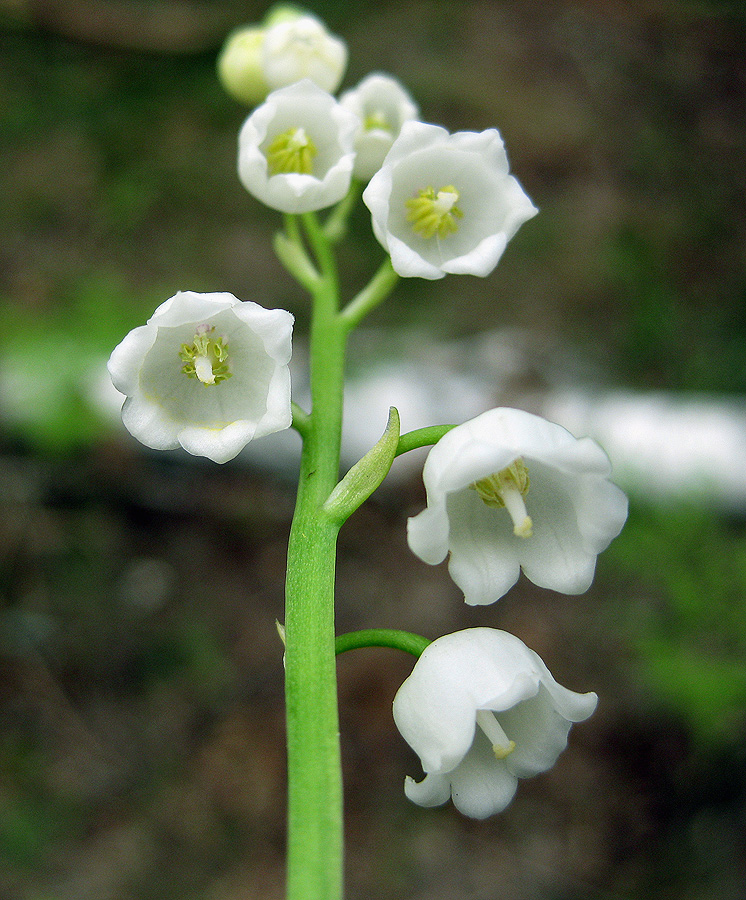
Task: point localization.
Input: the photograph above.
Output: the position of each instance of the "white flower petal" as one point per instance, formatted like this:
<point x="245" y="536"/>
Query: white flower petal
<point x="124" y="363"/>
<point x="330" y="128"/>
<point x="382" y="105"/>
<point x="166" y="408"/>
<point x="219" y="444"/>
<point x="482" y="786"/>
<point x="574" y="508"/>
<point x="540" y="732"/>
<point x="459" y="683"/>
<point x="300" y="48"/>
<point x="144" y="419"/>
<point x="433" y="790"/>
<point x="491" y="203"/>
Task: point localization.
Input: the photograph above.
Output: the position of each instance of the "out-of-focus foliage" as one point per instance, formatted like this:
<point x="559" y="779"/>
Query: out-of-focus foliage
<point x="686" y="617"/>
<point x="55" y="393"/>
<point x="141" y="748"/>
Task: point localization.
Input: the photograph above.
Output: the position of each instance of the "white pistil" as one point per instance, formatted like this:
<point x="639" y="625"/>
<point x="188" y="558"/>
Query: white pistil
<point x="502" y="746"/>
<point x="444" y="201"/>
<point x="513" y="500"/>
<point x="203" y="369"/>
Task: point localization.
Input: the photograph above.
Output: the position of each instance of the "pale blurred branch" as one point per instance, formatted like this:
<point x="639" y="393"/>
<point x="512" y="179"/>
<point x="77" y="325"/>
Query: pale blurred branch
<point x="179" y="26"/>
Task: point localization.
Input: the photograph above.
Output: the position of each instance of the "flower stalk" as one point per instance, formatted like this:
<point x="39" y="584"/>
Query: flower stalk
<point x="315" y="838"/>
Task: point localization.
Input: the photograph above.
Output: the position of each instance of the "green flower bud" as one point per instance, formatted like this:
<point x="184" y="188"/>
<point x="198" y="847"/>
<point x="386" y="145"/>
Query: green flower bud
<point x="240" y="66"/>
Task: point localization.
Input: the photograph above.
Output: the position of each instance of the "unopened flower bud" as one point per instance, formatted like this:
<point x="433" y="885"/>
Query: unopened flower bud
<point x="240" y="65"/>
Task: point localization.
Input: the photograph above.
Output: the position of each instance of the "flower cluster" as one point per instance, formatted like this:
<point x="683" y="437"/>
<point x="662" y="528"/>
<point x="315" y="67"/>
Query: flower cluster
<point x="440" y="203"/>
<point x="288" y="46"/>
<point x="506" y="492"/>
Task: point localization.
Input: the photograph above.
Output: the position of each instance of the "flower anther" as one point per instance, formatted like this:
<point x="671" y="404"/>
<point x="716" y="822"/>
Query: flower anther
<point x="434" y="213"/>
<point x="206" y="358"/>
<point x="506" y="489"/>
<point x="291" y="151"/>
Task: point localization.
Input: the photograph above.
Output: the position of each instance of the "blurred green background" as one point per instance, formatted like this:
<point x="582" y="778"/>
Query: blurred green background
<point x="141" y="732"/>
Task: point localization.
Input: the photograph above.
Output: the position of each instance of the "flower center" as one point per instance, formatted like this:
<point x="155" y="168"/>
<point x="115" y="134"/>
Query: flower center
<point x="206" y="358"/>
<point x="508" y="488"/>
<point x="432" y="213"/>
<point x="376" y="120"/>
<point x="291" y="151"/>
<point x="502" y="746"/>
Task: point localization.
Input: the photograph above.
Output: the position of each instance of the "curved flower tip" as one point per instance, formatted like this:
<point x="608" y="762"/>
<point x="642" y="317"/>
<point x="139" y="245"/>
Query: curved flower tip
<point x="296" y="150"/>
<point x="382" y="105"/>
<point x="481" y="710"/>
<point x="299" y="46"/>
<point x="207" y="373"/>
<point x="445" y="203"/>
<point x="509" y="490"/>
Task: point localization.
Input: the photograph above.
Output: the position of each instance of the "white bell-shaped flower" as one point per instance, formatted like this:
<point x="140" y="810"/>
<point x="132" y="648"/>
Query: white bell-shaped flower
<point x="509" y="490"/>
<point x="207" y="373"/>
<point x="481" y="710"/>
<point x="445" y="202"/>
<point x="382" y="106"/>
<point x="296" y="150"/>
<point x="301" y="47"/>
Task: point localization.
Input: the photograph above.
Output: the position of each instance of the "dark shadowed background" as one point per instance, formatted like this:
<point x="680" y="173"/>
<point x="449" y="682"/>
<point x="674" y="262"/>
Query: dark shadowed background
<point x="141" y="720"/>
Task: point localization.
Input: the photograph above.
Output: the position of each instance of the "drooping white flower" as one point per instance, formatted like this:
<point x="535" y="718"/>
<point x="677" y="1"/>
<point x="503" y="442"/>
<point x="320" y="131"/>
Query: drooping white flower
<point x="509" y="490"/>
<point x="445" y="202"/>
<point x="383" y="106"/>
<point x="207" y="373"/>
<point x="481" y="710"/>
<point x="296" y="150"/>
<point x="297" y="47"/>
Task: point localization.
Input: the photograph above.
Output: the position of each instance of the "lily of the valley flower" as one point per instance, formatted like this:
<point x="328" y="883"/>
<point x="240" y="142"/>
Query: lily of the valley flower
<point x="297" y="47"/>
<point x="207" y="373"/>
<point x="445" y="202"/>
<point x="509" y="490"/>
<point x="481" y="710"/>
<point x="383" y="106"/>
<point x="240" y="65"/>
<point x="295" y="151"/>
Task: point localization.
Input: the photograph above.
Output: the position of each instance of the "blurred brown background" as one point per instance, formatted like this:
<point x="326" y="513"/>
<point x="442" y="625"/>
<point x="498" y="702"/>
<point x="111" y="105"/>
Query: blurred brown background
<point x="141" y="724"/>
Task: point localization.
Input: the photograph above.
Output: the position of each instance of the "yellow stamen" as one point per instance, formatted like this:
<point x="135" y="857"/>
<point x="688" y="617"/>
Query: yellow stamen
<point x="206" y="358"/>
<point x="291" y="151"/>
<point x="432" y="213"/>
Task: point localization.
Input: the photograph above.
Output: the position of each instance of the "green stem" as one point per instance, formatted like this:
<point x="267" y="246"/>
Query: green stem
<point x="289" y="248"/>
<point x="335" y="227"/>
<point x="371" y="296"/>
<point x="421" y="437"/>
<point x="301" y="419"/>
<point x="315" y="838"/>
<point x="381" y="637"/>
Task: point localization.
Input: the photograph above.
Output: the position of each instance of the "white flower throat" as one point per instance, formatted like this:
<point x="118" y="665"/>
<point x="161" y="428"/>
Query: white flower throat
<point x="432" y="213"/>
<point x="292" y="151"/>
<point x="206" y="358"/>
<point x="507" y="488"/>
